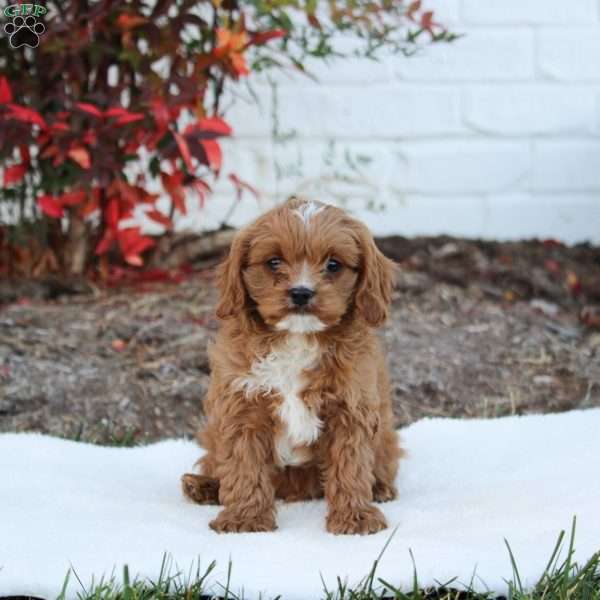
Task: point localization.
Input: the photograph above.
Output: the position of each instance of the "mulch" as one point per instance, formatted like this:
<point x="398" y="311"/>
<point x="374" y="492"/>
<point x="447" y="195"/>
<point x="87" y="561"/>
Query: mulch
<point x="478" y="329"/>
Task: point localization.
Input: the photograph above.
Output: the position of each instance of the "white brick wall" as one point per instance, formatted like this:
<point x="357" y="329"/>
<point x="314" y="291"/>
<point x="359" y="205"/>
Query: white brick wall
<point x="496" y="135"/>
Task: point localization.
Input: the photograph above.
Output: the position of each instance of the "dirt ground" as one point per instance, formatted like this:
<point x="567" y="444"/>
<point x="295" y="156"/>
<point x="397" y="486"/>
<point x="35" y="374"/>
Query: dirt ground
<point x="477" y="330"/>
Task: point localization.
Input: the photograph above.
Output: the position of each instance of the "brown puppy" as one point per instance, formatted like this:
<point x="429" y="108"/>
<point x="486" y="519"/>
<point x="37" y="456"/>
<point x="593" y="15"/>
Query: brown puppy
<point x="299" y="403"/>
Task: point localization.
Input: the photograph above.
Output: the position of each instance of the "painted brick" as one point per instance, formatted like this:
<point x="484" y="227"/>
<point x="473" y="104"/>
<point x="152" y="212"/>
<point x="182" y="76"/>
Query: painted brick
<point x="326" y="170"/>
<point x="380" y="111"/>
<point x="250" y="117"/>
<point x="530" y="109"/>
<point x="335" y="71"/>
<point x="495" y="135"/>
<point x="570" y="54"/>
<point x="446" y="12"/>
<point x="250" y="160"/>
<point x="566" y="165"/>
<point x="450" y="167"/>
<point x="417" y="214"/>
<point x="533" y="12"/>
<point x="220" y="206"/>
<point x="570" y="217"/>
<point x="511" y="216"/>
<point x="481" y="55"/>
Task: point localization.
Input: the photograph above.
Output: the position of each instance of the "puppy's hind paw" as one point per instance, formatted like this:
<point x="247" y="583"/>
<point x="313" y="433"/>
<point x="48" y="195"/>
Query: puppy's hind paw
<point x="362" y="521"/>
<point x="200" y="489"/>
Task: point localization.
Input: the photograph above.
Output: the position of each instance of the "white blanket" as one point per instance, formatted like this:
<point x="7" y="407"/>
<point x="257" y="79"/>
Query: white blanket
<point x="464" y="487"/>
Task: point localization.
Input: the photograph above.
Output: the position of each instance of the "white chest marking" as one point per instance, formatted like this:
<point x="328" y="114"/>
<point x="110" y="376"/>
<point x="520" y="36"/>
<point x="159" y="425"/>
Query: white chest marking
<point x="281" y="371"/>
<point x="301" y="324"/>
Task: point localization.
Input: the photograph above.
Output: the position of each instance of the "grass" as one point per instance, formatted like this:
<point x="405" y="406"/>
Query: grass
<point x="562" y="579"/>
<point x="109" y="435"/>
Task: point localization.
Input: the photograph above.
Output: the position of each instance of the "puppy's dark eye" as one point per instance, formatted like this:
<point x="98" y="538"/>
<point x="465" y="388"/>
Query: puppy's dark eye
<point x="274" y="263"/>
<point x="333" y="266"/>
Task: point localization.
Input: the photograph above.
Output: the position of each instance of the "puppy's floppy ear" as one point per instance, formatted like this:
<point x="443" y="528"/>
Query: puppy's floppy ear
<point x="229" y="278"/>
<point x="374" y="291"/>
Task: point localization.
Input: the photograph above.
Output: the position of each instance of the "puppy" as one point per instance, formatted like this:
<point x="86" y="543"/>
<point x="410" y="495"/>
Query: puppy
<point x="299" y="403"/>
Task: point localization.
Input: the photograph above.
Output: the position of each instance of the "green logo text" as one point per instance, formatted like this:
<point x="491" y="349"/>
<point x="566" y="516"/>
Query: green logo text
<point x="15" y="10"/>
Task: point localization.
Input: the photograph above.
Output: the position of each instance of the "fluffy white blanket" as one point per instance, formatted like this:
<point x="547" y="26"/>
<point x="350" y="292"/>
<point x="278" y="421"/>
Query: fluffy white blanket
<point x="464" y="487"/>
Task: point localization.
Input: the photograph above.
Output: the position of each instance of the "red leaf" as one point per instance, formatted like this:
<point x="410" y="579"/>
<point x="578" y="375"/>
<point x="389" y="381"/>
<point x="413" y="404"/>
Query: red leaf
<point x="173" y="185"/>
<point x="266" y="36"/>
<point x="89" y="138"/>
<point x="127" y="21"/>
<point x="90" y="109"/>
<point x="178" y="198"/>
<point x="314" y="22"/>
<point x="91" y="206"/>
<point x="49" y="151"/>
<point x="127" y="194"/>
<point x="26" y="115"/>
<point x="105" y="243"/>
<point x="72" y="198"/>
<point x="159" y="217"/>
<point x="134" y="260"/>
<point x="24" y="151"/>
<point x="213" y="153"/>
<point x="552" y="265"/>
<point x="240" y="186"/>
<point x="5" y="91"/>
<point x="49" y="206"/>
<point x="81" y="156"/>
<point x="118" y="345"/>
<point x="202" y="188"/>
<point x="160" y="113"/>
<point x="116" y="111"/>
<point x="413" y="8"/>
<point x="200" y="184"/>
<point x="59" y="127"/>
<point x="574" y="283"/>
<point x="133" y="244"/>
<point x="14" y="174"/>
<point x="111" y="214"/>
<point x="427" y="20"/>
<point x="129" y="118"/>
<point x="184" y="150"/>
<point x="214" y="125"/>
<point x="123" y="116"/>
<point x="142" y="244"/>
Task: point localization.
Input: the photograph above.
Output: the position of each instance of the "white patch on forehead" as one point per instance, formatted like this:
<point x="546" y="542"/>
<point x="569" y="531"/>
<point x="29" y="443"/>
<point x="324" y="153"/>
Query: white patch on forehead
<point x="301" y="324"/>
<point x="305" y="278"/>
<point x="282" y="371"/>
<point x="307" y="211"/>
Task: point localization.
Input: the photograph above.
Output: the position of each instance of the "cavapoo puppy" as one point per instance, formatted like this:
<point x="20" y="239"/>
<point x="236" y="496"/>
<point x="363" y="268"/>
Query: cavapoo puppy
<point x="299" y="403"/>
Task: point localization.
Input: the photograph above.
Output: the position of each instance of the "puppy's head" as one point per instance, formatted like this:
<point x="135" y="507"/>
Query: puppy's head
<point x="302" y="267"/>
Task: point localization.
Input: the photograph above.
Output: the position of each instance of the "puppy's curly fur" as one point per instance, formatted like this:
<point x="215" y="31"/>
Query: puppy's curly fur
<point x="299" y="403"/>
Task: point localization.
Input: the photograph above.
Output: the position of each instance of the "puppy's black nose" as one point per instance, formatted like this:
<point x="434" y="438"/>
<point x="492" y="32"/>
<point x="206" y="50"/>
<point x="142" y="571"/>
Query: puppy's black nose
<point x="301" y="295"/>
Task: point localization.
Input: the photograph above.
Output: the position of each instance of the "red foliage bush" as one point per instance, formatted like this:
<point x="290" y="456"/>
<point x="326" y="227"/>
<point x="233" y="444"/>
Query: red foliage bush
<point x="112" y="83"/>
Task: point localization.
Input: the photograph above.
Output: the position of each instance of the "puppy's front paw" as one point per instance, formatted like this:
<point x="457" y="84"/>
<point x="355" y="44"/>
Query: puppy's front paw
<point x="200" y="489"/>
<point x="383" y="492"/>
<point x="363" y="521"/>
<point x="228" y="521"/>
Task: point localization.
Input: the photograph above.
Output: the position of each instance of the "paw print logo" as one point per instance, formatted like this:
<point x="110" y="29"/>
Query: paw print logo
<point x="24" y="31"/>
